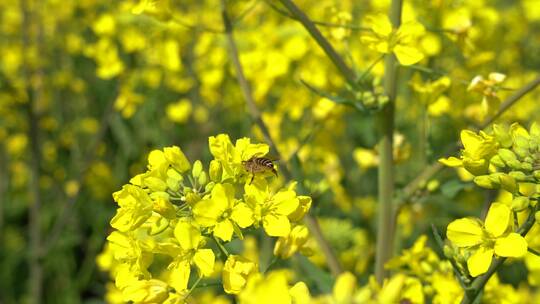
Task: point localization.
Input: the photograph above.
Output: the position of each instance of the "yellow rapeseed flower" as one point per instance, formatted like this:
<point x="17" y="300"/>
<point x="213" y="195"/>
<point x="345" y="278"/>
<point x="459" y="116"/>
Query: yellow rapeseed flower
<point x="221" y="212"/>
<point x="385" y="39"/>
<point x="488" y="238"/>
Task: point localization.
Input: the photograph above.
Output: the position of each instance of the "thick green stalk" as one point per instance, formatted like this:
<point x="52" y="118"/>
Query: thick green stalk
<point x="35" y="279"/>
<point x="385" y="125"/>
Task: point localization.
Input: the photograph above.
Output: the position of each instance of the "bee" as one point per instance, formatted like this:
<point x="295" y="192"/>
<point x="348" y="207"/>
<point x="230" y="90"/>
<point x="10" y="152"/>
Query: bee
<point x="256" y="165"/>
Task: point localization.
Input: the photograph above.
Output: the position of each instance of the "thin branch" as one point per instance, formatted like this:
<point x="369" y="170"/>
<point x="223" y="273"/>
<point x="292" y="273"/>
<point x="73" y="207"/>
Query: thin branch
<point x="222" y="249"/>
<point x="440" y="242"/>
<point x="533" y="251"/>
<point x="68" y="205"/>
<point x="203" y="28"/>
<point x="321" y="23"/>
<point x="311" y="222"/>
<point x="510" y="101"/>
<point x="298" y="14"/>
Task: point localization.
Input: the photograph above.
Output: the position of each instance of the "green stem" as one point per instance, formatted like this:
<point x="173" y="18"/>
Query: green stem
<point x="221" y="247"/>
<point x="30" y="18"/>
<point x="370" y="67"/>
<point x="533" y="251"/>
<point x="193" y="287"/>
<point x="320" y="23"/>
<point x="385" y="125"/>
<point x="271" y="264"/>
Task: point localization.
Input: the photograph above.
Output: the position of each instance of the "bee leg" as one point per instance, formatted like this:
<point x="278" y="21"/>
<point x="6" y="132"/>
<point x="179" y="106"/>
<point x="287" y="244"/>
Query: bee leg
<point x="252" y="177"/>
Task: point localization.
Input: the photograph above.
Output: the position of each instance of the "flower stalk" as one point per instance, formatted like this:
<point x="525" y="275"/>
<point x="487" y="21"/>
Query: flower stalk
<point x="385" y="125"/>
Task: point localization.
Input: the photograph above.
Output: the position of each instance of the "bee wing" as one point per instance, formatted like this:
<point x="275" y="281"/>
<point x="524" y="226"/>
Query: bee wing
<point x="272" y="157"/>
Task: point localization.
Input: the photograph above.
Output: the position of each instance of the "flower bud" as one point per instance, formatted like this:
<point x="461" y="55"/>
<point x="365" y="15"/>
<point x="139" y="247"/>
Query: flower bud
<point x="192" y="198"/>
<point x="448" y="252"/>
<point x="526" y="166"/>
<point x="518" y="176"/>
<point x="508" y="183"/>
<point x="177" y="158"/>
<point x="215" y="171"/>
<point x="202" y="178"/>
<point x="506" y="155"/>
<point x="537" y="216"/>
<point x="521" y="152"/>
<point x="534" y="144"/>
<point x="485" y="181"/>
<point x="520" y="203"/>
<point x="536" y="174"/>
<point x="174" y="179"/>
<point x="514" y="164"/>
<point x="522" y="143"/>
<point x="497" y="161"/>
<point x="288" y="245"/>
<point x="502" y="135"/>
<point x="433" y="185"/>
<point x="197" y="169"/>
<point x="209" y="186"/>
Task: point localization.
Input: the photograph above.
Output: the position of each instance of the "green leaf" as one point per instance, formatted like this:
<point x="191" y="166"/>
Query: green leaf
<point x="451" y="188"/>
<point x="322" y="279"/>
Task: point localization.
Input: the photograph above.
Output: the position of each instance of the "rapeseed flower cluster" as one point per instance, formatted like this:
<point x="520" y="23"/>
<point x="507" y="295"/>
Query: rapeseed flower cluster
<point x="174" y="220"/>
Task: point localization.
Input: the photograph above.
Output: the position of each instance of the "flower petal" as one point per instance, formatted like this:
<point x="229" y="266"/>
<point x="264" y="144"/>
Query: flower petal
<point x="242" y="215"/>
<point x="187" y="235"/>
<point x="407" y="55"/>
<point x="380" y="24"/>
<point x="276" y="225"/>
<point x="497" y="219"/>
<point x="204" y="260"/>
<point x="179" y="276"/>
<point x="513" y="245"/>
<point x="224" y="230"/>
<point x="207" y="211"/>
<point x="285" y="202"/>
<point x="479" y="262"/>
<point x="464" y="232"/>
<point x="451" y="161"/>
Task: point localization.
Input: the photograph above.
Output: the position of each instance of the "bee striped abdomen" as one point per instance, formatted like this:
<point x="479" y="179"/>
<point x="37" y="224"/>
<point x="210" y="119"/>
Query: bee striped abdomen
<point x="260" y="164"/>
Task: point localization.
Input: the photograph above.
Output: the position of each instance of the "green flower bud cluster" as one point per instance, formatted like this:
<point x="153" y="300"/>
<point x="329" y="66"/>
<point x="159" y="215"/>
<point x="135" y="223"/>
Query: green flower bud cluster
<point x="504" y="158"/>
<point x="373" y="98"/>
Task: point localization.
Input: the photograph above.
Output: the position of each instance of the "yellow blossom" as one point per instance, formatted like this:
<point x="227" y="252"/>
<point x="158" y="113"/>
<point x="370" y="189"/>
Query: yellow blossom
<point x="236" y="272"/>
<point x="271" y="209"/>
<point x="484" y="240"/>
<point x="385" y="39"/>
<point x="221" y="212"/>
